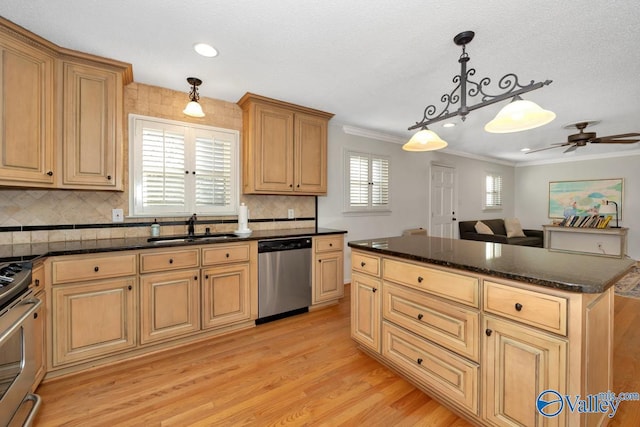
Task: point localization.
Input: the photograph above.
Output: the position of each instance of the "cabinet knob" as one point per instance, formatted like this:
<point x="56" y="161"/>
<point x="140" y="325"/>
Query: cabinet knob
<point x="488" y="332"/>
<point x="419" y="361"/>
<point x="362" y="264"/>
<point x="226" y="255"/>
<point x="129" y="287"/>
<point x="290" y="185"/>
<point x="109" y="177"/>
<point x="420" y="279"/>
<point x="50" y="173"/>
<point x="420" y="316"/>
<point x="170" y="260"/>
<point x="206" y="276"/>
<point x="319" y="260"/>
<point x="374" y="290"/>
<point x="330" y="245"/>
<point x="195" y="277"/>
<point x="96" y="268"/>
<point x="37" y="282"/>
<point x="518" y="306"/>
<point x="298" y="185"/>
<point x="35" y="315"/>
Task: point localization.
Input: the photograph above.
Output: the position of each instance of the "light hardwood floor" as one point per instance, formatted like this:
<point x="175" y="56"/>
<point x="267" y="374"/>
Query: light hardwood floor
<point x="304" y="370"/>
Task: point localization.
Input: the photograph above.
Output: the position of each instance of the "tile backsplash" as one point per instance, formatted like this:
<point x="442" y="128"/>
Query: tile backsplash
<point x="33" y="216"/>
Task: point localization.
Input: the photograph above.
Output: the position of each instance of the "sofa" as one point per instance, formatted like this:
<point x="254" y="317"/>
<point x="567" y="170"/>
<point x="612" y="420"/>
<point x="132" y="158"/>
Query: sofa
<point x="497" y="226"/>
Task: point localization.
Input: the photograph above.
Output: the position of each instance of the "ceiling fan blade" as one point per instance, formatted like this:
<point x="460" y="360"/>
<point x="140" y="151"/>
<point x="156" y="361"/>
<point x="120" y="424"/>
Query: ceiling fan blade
<point x="613" y="140"/>
<point x="622" y="135"/>
<point x="572" y="148"/>
<point x="557" y="145"/>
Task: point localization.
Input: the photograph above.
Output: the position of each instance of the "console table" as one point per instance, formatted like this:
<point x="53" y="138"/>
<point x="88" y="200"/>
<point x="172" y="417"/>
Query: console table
<point x="609" y="242"/>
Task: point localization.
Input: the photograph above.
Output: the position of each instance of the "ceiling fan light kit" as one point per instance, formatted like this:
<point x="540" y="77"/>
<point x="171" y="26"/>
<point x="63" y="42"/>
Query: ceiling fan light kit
<point x="505" y="121"/>
<point x="193" y="108"/>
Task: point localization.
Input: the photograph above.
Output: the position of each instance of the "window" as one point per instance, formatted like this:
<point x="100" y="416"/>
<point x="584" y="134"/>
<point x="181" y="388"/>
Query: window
<point x="367" y="182"/>
<point x="493" y="191"/>
<point x="180" y="168"/>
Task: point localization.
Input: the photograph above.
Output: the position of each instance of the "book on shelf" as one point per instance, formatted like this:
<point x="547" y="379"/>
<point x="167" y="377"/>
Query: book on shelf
<point x="586" y="221"/>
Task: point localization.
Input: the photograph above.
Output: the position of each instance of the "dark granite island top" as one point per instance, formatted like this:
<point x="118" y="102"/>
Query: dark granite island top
<point x="569" y="272"/>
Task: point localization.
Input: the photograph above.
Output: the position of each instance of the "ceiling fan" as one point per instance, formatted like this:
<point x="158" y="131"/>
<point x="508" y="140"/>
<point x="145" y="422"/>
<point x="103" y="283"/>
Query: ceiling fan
<point x="581" y="138"/>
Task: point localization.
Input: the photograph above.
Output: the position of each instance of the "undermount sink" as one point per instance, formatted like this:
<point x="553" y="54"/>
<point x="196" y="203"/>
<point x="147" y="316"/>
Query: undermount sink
<point x="194" y="238"/>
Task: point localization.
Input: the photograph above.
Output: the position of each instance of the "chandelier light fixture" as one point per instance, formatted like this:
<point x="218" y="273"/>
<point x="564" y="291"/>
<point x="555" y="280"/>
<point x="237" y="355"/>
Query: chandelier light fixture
<point x="518" y="115"/>
<point x="193" y="108"/>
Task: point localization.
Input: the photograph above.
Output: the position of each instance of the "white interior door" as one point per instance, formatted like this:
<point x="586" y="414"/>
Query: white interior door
<point x="443" y="209"/>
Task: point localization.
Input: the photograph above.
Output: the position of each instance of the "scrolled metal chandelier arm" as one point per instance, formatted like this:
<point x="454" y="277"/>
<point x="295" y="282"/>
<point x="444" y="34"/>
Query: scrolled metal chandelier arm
<point x="508" y="83"/>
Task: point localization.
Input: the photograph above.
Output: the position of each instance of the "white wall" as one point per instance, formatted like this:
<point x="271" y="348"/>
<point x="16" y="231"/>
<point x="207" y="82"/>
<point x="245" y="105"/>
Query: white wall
<point x="532" y="190"/>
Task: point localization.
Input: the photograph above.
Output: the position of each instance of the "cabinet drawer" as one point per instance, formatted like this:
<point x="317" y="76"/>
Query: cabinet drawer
<point x="432" y="366"/>
<point x="328" y="244"/>
<point x="92" y="268"/>
<point x="453" y="286"/>
<point x="543" y="311"/>
<point x="365" y="263"/>
<point x="451" y="326"/>
<point x="37" y="278"/>
<point x="171" y="260"/>
<point x="225" y="254"/>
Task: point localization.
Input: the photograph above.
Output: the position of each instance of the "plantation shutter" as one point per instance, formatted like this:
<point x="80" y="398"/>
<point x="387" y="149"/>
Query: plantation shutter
<point x="493" y="191"/>
<point x="358" y="180"/>
<point x="163" y="177"/>
<point x="214" y="175"/>
<point x="380" y="180"/>
<point x="368" y="182"/>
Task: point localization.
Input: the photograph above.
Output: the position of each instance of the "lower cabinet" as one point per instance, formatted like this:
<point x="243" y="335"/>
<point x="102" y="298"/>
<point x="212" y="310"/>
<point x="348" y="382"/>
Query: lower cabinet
<point x="327" y="269"/>
<point x="365" y="311"/>
<point x="226" y="295"/>
<point x="39" y="345"/>
<point x="94" y="319"/>
<point x="169" y="305"/>
<point x="520" y="363"/>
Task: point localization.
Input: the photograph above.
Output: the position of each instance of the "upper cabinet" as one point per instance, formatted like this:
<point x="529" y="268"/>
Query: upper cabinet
<point x="61" y="115"/>
<point x="284" y="147"/>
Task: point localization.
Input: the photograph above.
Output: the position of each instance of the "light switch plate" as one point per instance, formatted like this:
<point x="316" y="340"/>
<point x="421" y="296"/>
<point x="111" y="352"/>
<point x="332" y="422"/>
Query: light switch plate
<point x="117" y="215"/>
<point x="290" y="214"/>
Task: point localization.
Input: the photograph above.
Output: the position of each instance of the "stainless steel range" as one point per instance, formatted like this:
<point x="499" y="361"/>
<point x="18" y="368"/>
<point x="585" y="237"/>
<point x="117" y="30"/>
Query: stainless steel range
<point x="17" y="343"/>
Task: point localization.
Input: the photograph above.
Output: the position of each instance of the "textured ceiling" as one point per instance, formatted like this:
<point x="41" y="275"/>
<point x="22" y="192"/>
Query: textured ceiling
<point x="376" y="64"/>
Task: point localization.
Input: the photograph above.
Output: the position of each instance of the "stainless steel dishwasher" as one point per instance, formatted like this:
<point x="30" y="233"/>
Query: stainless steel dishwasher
<point x="284" y="278"/>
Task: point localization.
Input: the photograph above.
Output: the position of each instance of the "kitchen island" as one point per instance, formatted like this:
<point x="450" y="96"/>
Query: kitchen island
<point x="486" y="328"/>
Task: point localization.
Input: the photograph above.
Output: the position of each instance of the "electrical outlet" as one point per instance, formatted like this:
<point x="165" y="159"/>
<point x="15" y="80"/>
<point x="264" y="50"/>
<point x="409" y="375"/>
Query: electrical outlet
<point x="290" y="214"/>
<point x="117" y="215"/>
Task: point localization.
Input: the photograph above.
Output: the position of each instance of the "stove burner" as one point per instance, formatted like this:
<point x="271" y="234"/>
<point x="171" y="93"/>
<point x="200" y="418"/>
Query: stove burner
<point x="14" y="280"/>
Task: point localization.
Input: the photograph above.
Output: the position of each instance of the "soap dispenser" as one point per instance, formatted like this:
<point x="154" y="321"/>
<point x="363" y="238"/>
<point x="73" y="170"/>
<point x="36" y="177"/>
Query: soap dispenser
<point x="155" y="228"/>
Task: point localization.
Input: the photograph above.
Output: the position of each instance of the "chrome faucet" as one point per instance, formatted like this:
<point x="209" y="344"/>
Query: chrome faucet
<point x="191" y="225"/>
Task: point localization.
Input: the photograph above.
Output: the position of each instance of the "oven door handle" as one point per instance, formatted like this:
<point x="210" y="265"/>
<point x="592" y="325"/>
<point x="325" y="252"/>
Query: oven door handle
<point x="13" y="318"/>
<point x="37" y="401"/>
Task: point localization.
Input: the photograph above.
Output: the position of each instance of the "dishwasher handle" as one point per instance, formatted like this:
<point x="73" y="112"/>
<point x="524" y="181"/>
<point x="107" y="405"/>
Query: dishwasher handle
<point x="283" y="245"/>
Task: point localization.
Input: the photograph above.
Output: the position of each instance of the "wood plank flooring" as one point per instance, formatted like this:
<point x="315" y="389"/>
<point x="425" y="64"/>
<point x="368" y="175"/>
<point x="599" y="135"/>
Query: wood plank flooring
<point x="304" y="370"/>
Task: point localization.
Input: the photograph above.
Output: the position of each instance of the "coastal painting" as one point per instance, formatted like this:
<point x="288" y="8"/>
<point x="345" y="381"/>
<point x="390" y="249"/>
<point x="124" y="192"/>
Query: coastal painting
<point x="583" y="197"/>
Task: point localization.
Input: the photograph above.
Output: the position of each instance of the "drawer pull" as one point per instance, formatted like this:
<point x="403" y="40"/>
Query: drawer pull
<point x="330" y="245"/>
<point x="488" y="332"/>
<point x="419" y="361"/>
<point x="518" y="306"/>
<point x="170" y="260"/>
<point x="195" y="277"/>
<point x="129" y="287"/>
<point x="227" y="255"/>
<point x="96" y="268"/>
<point x="37" y="282"/>
<point x="362" y="264"/>
<point x="420" y="316"/>
<point x="420" y="279"/>
<point x="50" y="173"/>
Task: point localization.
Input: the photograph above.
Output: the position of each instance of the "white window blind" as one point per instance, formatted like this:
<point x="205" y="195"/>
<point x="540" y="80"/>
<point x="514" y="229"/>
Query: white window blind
<point x="179" y="168"/>
<point x="493" y="191"/>
<point x="367" y="186"/>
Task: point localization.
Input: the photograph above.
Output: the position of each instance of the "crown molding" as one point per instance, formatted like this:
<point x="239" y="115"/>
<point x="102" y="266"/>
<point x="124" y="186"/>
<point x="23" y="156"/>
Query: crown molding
<point x="353" y="130"/>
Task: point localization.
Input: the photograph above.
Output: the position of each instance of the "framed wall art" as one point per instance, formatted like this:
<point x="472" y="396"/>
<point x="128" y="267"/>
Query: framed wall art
<point x="583" y="197"/>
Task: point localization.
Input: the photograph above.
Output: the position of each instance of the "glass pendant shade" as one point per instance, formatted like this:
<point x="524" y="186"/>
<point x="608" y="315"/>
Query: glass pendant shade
<point x="424" y="140"/>
<point x="519" y="115"/>
<point x="193" y="109"/>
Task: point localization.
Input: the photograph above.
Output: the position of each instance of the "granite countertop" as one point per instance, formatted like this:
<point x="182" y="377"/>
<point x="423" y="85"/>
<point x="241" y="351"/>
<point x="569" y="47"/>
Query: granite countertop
<point x="569" y="272"/>
<point x="31" y="251"/>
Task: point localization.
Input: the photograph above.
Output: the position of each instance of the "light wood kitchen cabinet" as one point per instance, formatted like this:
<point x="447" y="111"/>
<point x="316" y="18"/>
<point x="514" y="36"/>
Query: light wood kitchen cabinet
<point x="226" y="295"/>
<point x="169" y="305"/>
<point x="328" y="269"/>
<point x="284" y="147"/>
<point x="40" y="352"/>
<point x="92" y="114"/>
<point x="365" y="310"/>
<point x="91" y="320"/>
<point x="520" y="364"/>
<point x="27" y="116"/>
<point x="61" y="114"/>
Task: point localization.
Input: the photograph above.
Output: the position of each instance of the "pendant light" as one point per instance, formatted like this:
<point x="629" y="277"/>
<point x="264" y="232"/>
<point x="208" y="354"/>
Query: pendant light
<point x="425" y="140"/>
<point x="519" y="115"/>
<point x="193" y="108"/>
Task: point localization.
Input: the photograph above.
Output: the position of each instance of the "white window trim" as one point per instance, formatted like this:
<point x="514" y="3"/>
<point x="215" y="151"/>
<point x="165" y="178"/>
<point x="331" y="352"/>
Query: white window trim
<point x="484" y="191"/>
<point x="135" y="187"/>
<point x="367" y="210"/>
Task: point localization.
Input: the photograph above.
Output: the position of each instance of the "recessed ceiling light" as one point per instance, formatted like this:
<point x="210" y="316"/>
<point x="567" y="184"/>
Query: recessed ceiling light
<point x="205" y="50"/>
<point x="448" y="125"/>
<point x="524" y="150"/>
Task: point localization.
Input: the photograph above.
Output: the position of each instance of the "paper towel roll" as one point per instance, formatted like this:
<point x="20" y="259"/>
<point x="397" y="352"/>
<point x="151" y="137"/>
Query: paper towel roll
<point x="243" y="218"/>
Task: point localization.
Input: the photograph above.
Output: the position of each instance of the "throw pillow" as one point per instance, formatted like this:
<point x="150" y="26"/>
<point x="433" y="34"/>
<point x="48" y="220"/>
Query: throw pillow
<point x="514" y="229"/>
<point x="482" y="228"/>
